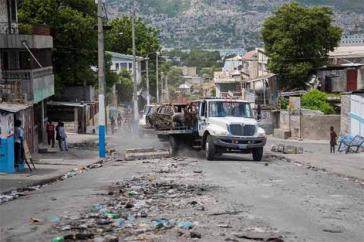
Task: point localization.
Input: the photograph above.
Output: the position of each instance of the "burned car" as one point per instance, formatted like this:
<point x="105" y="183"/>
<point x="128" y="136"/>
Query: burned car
<point x="168" y="116"/>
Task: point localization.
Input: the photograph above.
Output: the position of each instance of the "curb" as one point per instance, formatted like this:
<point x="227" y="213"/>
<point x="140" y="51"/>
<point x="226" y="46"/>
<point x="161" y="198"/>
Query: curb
<point x="270" y="155"/>
<point x="44" y="181"/>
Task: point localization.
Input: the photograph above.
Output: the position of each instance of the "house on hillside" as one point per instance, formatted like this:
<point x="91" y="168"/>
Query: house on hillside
<point x="26" y="73"/>
<point x="251" y="76"/>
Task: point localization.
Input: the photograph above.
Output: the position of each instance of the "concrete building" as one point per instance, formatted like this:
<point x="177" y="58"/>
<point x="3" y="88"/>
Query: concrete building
<point x="352" y="113"/>
<point x="26" y="71"/>
<point x="248" y="75"/>
<point x="341" y="77"/>
<point x="352" y="40"/>
<point x="347" y="54"/>
<point x="125" y="62"/>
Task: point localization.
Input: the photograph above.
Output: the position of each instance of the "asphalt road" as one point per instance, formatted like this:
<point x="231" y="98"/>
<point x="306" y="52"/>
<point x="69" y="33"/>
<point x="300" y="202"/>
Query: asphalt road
<point x="275" y="196"/>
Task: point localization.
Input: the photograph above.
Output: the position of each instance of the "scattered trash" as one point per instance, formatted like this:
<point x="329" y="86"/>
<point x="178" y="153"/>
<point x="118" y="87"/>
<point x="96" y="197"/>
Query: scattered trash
<point x="35" y="221"/>
<point x="185" y="225"/>
<point x="58" y="239"/>
<point x="261" y="236"/>
<point x="55" y="219"/>
<point x="162" y="222"/>
<point x="195" y="235"/>
<point x="234" y="212"/>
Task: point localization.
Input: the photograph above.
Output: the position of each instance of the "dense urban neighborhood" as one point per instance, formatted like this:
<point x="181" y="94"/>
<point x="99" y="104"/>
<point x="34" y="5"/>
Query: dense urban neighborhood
<point x="190" y="120"/>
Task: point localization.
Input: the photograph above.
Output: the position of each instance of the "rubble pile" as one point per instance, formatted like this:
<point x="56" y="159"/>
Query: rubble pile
<point x="287" y="149"/>
<point x="139" y="209"/>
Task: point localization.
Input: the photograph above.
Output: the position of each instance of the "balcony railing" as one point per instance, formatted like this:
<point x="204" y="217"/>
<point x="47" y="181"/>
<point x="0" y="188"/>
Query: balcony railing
<point x="4" y="28"/>
<point x="36" y="84"/>
<point x="27" y="74"/>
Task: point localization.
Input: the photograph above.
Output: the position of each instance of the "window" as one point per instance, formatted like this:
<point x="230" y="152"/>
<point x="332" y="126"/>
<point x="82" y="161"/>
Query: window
<point x="230" y="108"/>
<point x="117" y="66"/>
<point x="123" y="65"/>
<point x="130" y="66"/>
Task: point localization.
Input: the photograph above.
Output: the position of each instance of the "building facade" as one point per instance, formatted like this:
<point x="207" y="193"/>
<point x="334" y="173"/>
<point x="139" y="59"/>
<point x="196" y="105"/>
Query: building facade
<point x="26" y="70"/>
<point x="248" y="79"/>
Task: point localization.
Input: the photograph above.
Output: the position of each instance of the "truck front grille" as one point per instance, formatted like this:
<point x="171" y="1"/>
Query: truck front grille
<point x="242" y="130"/>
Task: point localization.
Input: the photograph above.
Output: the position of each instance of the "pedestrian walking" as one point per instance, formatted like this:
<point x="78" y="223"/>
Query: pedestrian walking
<point x="120" y="120"/>
<point x="62" y="137"/>
<point x="333" y="138"/>
<point x="18" y="143"/>
<point x="51" y="133"/>
<point x="112" y="119"/>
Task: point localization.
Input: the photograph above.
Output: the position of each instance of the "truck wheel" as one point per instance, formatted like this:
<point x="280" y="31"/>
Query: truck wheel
<point x="257" y="154"/>
<point x="173" y="142"/>
<point x="210" y="148"/>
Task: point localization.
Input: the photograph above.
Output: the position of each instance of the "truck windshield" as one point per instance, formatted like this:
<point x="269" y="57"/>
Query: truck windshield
<point x="229" y="108"/>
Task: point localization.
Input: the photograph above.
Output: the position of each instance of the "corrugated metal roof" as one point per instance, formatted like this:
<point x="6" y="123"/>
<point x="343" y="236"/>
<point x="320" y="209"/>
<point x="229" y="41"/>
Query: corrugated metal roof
<point x="67" y="104"/>
<point x="13" y="107"/>
<point x="123" y="56"/>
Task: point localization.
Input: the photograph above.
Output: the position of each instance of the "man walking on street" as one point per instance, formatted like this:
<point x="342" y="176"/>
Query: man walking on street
<point x="62" y="137"/>
<point x="51" y="133"/>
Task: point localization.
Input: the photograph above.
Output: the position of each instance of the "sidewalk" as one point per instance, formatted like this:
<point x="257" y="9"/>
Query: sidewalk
<point x="317" y="154"/>
<point x="53" y="164"/>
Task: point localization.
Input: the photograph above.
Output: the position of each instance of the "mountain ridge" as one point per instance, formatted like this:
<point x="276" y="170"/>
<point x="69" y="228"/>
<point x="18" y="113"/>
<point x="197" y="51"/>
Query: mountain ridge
<point x="223" y="23"/>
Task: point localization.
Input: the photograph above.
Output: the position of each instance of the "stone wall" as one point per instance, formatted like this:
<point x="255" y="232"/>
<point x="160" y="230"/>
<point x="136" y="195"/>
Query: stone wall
<point x="311" y="125"/>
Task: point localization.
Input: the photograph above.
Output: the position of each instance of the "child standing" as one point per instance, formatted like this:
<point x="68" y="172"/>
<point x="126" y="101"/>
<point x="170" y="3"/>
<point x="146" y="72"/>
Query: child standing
<point x="333" y="137"/>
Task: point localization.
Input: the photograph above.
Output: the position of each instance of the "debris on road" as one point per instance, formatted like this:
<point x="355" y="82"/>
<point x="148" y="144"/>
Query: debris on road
<point x="287" y="149"/>
<point x="149" y="153"/>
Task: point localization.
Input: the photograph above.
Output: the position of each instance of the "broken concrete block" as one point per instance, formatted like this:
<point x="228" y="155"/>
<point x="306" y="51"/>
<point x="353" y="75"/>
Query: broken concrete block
<point x="290" y="149"/>
<point x="274" y="148"/>
<point x="300" y="150"/>
<point x="280" y="148"/>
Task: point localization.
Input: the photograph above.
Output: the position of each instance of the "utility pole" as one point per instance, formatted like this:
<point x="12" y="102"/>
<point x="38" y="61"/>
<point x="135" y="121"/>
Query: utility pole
<point x="166" y="87"/>
<point x="135" y="81"/>
<point x="162" y="87"/>
<point x="157" y="75"/>
<point x="147" y="69"/>
<point x="101" y="77"/>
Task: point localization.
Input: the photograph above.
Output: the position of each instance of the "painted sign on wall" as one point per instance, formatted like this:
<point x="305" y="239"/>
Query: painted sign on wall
<point x="6" y="125"/>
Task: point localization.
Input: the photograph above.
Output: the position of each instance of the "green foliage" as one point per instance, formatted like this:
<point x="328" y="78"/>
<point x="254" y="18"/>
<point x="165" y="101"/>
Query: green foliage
<point x="75" y="40"/>
<point x="317" y="100"/>
<point x="197" y="58"/>
<point x="298" y="40"/>
<point x="119" y="38"/>
<point x="283" y="102"/>
<point x="125" y="87"/>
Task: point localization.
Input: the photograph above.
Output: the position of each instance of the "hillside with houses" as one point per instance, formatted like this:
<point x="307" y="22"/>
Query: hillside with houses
<point x="223" y="23"/>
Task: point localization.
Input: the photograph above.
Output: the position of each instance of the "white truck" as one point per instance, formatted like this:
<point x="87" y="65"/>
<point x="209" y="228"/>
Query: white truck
<point x="223" y="126"/>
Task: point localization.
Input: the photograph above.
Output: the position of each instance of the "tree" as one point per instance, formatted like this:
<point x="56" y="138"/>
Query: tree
<point x="297" y="40"/>
<point x="119" y="39"/>
<point x="75" y="39"/>
<point x="125" y="88"/>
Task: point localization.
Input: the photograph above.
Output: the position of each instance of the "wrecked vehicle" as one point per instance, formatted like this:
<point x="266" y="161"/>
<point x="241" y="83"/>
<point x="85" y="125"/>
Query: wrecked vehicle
<point x="219" y="126"/>
<point x="168" y="117"/>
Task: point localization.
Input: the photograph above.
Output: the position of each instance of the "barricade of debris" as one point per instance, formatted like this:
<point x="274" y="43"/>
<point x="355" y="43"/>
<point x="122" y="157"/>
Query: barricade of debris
<point x="137" y="209"/>
<point x="168" y="203"/>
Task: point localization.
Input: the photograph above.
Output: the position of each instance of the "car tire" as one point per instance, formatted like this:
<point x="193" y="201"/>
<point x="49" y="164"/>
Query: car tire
<point x="257" y="154"/>
<point x="210" y="148"/>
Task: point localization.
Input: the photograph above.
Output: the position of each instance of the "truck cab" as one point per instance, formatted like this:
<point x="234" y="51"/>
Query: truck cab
<point x="228" y="126"/>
